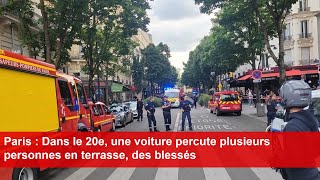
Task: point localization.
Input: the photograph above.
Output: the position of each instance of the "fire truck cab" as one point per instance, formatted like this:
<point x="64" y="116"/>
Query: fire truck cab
<point x="225" y="102"/>
<point x="48" y="101"/>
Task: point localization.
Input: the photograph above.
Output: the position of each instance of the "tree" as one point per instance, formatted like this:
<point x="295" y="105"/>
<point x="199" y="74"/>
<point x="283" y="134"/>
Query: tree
<point x="158" y="67"/>
<point x="164" y="49"/>
<point x="61" y="21"/>
<point x="271" y="15"/>
<point x="137" y="74"/>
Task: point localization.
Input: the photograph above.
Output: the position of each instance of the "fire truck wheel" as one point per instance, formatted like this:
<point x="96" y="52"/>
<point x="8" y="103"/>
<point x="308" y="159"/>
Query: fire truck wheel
<point x="25" y="174"/>
<point x="113" y="127"/>
<point x="239" y="113"/>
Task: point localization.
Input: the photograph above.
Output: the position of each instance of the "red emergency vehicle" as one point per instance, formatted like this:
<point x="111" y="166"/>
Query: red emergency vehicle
<point x="225" y="102"/>
<point x="48" y="102"/>
<point x="102" y="119"/>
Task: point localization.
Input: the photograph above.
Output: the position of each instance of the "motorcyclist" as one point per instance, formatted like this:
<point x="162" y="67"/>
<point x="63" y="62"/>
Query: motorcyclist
<point x="296" y="95"/>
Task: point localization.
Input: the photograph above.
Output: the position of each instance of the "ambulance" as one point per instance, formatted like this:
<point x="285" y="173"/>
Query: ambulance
<point x="174" y="96"/>
<point x="37" y="98"/>
<point x="225" y="102"/>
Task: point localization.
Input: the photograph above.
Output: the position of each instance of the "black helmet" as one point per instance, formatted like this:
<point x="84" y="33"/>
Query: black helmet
<point x="295" y="93"/>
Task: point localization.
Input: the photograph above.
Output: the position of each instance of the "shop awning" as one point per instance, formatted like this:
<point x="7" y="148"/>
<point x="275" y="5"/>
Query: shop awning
<point x="294" y="72"/>
<point x="117" y="88"/>
<point x="244" y="78"/>
<point x="310" y="72"/>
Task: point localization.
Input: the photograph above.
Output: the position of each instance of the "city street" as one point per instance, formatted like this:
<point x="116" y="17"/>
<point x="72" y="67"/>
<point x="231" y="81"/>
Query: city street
<point x="202" y="121"/>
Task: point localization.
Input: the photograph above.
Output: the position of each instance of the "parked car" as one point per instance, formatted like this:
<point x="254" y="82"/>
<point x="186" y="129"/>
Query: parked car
<point x="123" y="115"/>
<point x="102" y="118"/>
<point x="133" y="107"/>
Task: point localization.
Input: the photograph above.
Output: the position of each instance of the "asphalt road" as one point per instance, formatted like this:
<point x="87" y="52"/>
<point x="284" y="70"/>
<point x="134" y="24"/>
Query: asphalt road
<point x="202" y="121"/>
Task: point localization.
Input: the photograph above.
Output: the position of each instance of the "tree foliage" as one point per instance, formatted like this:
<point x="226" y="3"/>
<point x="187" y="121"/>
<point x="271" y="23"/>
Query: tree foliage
<point x="270" y="15"/>
<point x="158" y="67"/>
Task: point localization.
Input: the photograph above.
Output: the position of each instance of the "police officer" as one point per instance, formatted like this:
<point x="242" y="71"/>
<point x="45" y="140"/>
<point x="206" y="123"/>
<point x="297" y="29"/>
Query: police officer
<point x="140" y="108"/>
<point x="150" y="108"/>
<point x="186" y="106"/>
<point x="296" y="95"/>
<point x="166" y="107"/>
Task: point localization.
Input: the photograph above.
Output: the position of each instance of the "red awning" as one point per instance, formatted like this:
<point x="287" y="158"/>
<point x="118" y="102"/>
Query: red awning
<point x="268" y="75"/>
<point x="310" y="72"/>
<point x="294" y="72"/>
<point x="244" y="78"/>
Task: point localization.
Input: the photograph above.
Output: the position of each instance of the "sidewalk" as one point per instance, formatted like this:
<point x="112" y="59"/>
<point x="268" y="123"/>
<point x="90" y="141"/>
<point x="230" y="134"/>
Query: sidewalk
<point x="252" y="112"/>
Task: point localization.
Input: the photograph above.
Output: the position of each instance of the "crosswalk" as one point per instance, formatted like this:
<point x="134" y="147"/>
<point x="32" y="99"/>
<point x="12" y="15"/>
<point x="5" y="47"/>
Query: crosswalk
<point x="167" y="174"/>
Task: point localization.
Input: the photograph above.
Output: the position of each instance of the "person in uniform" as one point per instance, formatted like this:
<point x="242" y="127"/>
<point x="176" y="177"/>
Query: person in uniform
<point x="150" y="108"/>
<point x="140" y="109"/>
<point x="186" y="106"/>
<point x="166" y="107"/>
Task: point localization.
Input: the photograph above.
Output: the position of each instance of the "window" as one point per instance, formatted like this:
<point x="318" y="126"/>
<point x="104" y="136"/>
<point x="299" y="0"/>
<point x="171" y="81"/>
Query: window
<point x="100" y="110"/>
<point x="81" y="94"/>
<point x="81" y="53"/>
<point x="65" y="93"/>
<point x="305" y="54"/>
<point x="287" y="32"/>
<point x="105" y="108"/>
<point x="303" y="5"/>
<point x="288" y="57"/>
<point x="95" y="111"/>
<point x="229" y="97"/>
<point x="304" y="29"/>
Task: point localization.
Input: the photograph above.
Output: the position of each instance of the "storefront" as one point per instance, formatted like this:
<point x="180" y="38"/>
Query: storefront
<point x="270" y="77"/>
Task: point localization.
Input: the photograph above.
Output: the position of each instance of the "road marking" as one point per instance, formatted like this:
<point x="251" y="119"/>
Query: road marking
<point x="266" y="173"/>
<point x="177" y="123"/>
<point x="216" y="173"/>
<point x="167" y="173"/>
<point x="81" y="174"/>
<point x="121" y="173"/>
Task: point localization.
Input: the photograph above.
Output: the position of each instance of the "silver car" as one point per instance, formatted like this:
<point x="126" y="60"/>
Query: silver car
<point x="133" y="108"/>
<point x="122" y="114"/>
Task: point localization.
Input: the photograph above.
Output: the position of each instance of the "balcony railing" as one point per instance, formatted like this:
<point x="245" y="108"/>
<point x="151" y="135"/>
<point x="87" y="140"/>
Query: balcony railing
<point x="305" y="35"/>
<point x="300" y="9"/>
<point x="288" y="38"/>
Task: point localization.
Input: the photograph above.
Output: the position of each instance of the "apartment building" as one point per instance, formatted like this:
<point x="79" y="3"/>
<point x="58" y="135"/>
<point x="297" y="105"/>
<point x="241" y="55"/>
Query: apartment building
<point x="120" y="85"/>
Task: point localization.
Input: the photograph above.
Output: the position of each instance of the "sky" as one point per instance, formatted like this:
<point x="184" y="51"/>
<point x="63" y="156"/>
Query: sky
<point x="180" y="25"/>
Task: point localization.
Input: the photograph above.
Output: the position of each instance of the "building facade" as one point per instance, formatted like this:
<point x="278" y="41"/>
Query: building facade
<point x="114" y="83"/>
<point x="301" y="44"/>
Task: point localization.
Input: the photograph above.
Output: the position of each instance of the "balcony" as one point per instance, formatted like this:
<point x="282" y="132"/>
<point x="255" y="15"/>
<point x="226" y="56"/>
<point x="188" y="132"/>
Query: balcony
<point x="305" y="36"/>
<point x="303" y="9"/>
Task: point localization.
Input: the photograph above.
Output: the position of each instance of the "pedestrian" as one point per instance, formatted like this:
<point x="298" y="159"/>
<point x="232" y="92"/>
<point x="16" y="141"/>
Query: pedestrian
<point x="195" y="100"/>
<point x="166" y="107"/>
<point x="296" y="95"/>
<point x="271" y="108"/>
<point x="186" y="106"/>
<point x="250" y="97"/>
<point x="140" y="109"/>
<point x="150" y="108"/>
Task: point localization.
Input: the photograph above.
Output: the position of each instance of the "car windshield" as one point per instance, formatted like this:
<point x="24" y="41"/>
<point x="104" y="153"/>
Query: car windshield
<point x="229" y="97"/>
<point x="172" y="94"/>
<point x="133" y="105"/>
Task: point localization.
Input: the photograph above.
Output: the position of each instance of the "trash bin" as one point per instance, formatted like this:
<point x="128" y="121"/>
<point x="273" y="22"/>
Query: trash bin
<point x="261" y="109"/>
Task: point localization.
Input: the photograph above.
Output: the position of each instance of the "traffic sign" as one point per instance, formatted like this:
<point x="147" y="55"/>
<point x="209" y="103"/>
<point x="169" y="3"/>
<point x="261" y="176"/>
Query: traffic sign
<point x="256" y="74"/>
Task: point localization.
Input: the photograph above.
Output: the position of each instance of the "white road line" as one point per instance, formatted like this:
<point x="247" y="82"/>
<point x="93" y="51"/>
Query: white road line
<point x="177" y="123"/>
<point x="216" y="173"/>
<point x="121" y="174"/>
<point x="267" y="173"/>
<point x="81" y="174"/>
<point x="167" y="174"/>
